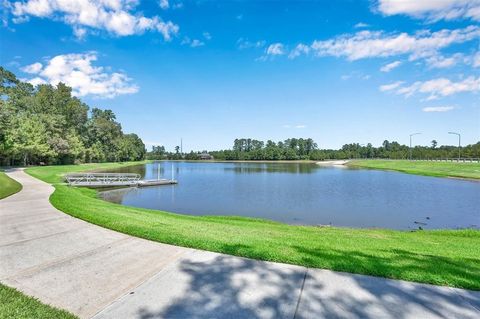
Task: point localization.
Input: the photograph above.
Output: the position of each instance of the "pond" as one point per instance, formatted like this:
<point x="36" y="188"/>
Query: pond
<point x="306" y="194"/>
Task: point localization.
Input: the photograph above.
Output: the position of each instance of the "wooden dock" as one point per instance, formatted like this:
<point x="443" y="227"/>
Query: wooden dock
<point x="113" y="180"/>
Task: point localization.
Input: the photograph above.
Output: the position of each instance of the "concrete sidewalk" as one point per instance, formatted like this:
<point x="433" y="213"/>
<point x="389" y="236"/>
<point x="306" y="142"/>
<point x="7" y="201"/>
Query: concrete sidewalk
<point x="95" y="272"/>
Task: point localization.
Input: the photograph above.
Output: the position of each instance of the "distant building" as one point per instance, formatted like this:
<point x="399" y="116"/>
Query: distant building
<point x="205" y="156"/>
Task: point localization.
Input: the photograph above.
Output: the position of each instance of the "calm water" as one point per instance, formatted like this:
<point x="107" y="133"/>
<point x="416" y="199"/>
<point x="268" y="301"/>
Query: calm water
<point x="307" y="194"/>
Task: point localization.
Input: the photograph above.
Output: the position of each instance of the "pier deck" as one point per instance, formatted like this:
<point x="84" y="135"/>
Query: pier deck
<point x="113" y="180"/>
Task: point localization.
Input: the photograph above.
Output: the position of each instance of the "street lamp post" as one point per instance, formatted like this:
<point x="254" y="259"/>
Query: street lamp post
<point x="459" y="143"/>
<point x="411" y="143"/>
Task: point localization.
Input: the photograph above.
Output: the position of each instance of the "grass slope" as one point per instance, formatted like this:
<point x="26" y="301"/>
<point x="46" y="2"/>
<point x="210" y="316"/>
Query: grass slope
<point x="8" y="186"/>
<point x="446" y="257"/>
<point x="15" y="304"/>
<point x="439" y="169"/>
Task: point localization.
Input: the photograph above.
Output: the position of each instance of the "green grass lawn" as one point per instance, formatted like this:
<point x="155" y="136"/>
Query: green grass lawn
<point x="15" y="304"/>
<point x="442" y="257"/>
<point x="8" y="186"/>
<point x="428" y="168"/>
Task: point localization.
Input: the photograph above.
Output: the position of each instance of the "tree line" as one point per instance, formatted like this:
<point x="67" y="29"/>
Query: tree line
<point x="47" y="125"/>
<point x="307" y="149"/>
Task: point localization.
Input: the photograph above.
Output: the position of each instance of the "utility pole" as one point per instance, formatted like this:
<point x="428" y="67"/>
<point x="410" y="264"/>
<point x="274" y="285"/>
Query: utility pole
<point x="181" y="146"/>
<point x="459" y="143"/>
<point x="411" y="143"/>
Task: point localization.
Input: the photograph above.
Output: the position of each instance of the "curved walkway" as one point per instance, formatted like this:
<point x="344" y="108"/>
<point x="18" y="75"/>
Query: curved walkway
<point x="95" y="272"/>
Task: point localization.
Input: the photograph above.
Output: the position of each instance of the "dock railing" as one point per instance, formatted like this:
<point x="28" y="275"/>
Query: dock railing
<point x="102" y="179"/>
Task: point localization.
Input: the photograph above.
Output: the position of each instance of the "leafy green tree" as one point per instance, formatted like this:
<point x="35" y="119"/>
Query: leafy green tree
<point x="47" y="124"/>
<point x="28" y="138"/>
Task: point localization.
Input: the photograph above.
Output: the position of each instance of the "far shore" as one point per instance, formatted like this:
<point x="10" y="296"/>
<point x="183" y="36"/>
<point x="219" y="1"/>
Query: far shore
<point x="329" y="162"/>
<point x="241" y="161"/>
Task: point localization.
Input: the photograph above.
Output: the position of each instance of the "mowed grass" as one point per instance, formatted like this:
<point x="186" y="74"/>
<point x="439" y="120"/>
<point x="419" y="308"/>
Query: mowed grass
<point x="428" y="168"/>
<point x="8" y="186"/>
<point x="15" y="304"/>
<point x="442" y="257"/>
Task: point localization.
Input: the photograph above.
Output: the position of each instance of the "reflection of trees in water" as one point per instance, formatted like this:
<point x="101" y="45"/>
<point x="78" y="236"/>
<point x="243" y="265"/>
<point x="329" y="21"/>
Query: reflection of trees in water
<point x="116" y="195"/>
<point x="291" y="168"/>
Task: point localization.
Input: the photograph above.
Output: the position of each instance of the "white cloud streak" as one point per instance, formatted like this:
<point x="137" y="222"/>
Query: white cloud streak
<point x="391" y="86"/>
<point x="390" y="66"/>
<point x="435" y="88"/>
<point x="197" y="43"/>
<point x="298" y="126"/>
<point x="275" y="49"/>
<point x="78" y="72"/>
<point x="113" y="16"/>
<point x="246" y="44"/>
<point x="194" y="43"/>
<point x="164" y="4"/>
<point x="476" y="60"/>
<point x="299" y="50"/>
<point x="438" y="108"/>
<point x="361" y="25"/>
<point x="432" y="10"/>
<point x="32" y="68"/>
<point x="442" y="62"/>
<point x="370" y="44"/>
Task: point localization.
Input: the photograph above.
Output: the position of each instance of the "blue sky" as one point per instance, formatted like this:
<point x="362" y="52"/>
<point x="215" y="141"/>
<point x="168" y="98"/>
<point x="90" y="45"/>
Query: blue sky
<point x="211" y="71"/>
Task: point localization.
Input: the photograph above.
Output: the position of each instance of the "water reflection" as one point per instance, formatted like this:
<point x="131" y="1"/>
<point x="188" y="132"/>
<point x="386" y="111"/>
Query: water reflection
<point x="116" y="195"/>
<point x="286" y="168"/>
<point x="307" y="194"/>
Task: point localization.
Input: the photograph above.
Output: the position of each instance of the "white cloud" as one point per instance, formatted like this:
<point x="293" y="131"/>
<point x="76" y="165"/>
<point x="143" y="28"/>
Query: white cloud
<point x="78" y="71"/>
<point x="275" y="49"/>
<point x="35" y="81"/>
<point x="390" y="66"/>
<point x="355" y="75"/>
<point x="299" y="50"/>
<point x="207" y="35"/>
<point x="113" y="16"/>
<point x="476" y="60"/>
<point x="164" y="4"/>
<point x="298" y="126"/>
<point x="361" y="25"/>
<point x="432" y="10"/>
<point x="442" y="62"/>
<point x="437" y="88"/>
<point x="177" y="5"/>
<point x="32" y="68"/>
<point x="370" y="44"/>
<point x="246" y="44"/>
<point x="391" y="86"/>
<point x="196" y="43"/>
<point x="79" y="32"/>
<point x="438" y="108"/>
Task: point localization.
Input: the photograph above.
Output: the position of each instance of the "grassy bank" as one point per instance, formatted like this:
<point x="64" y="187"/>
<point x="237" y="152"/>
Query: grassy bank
<point x="439" y="169"/>
<point x="19" y="306"/>
<point x="449" y="257"/>
<point x="8" y="186"/>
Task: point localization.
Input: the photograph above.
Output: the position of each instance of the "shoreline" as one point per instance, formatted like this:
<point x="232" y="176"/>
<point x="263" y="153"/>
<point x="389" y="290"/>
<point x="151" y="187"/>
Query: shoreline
<point x="268" y="240"/>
